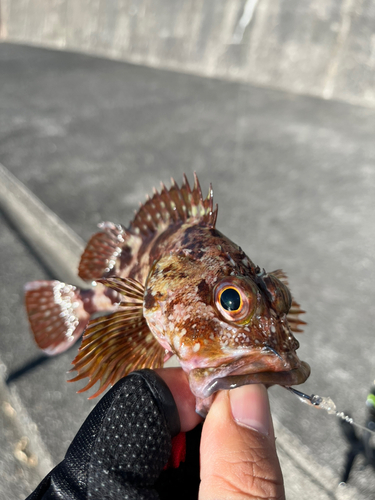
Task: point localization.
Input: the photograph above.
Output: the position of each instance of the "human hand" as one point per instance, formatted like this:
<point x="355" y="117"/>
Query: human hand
<point x="238" y="454"/>
<point x="123" y="446"/>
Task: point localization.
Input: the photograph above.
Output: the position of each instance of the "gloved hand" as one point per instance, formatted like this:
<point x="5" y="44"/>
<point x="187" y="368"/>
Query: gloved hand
<point x="124" y="448"/>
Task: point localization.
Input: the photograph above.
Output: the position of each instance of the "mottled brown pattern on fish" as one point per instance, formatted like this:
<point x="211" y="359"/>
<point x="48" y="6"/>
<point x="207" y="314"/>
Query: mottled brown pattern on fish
<point x="176" y="285"/>
<point x="207" y="325"/>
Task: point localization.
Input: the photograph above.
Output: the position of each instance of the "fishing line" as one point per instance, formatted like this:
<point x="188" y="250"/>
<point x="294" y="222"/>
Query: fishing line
<point x="325" y="403"/>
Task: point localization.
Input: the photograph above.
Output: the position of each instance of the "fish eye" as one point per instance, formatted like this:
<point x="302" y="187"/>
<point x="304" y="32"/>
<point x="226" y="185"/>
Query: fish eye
<point x="236" y="299"/>
<point x="230" y="299"/>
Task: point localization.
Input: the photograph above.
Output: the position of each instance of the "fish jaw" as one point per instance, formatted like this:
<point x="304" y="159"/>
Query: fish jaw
<point x="256" y="367"/>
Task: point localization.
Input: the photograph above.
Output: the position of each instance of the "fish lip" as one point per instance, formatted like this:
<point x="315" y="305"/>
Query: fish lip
<point x="292" y="377"/>
<point x="286" y="371"/>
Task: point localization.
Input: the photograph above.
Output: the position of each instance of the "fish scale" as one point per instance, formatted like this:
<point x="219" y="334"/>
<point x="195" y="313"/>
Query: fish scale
<point x="161" y="283"/>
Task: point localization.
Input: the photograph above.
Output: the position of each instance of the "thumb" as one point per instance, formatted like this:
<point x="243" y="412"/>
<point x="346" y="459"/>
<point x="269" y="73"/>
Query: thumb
<point x="238" y="453"/>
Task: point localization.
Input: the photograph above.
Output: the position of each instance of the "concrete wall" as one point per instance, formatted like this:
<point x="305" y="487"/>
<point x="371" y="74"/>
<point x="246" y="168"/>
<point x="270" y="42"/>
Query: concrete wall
<point x="319" y="47"/>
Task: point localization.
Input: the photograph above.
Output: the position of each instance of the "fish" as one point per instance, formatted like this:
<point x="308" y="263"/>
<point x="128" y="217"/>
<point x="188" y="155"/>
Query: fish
<point x="172" y="284"/>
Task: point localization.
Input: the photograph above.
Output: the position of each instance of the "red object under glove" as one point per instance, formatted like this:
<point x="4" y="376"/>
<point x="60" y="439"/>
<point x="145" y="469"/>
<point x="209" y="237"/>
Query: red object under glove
<point x="178" y="453"/>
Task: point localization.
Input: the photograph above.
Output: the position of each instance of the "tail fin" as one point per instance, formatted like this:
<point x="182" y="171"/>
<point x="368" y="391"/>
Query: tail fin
<point x="56" y="314"/>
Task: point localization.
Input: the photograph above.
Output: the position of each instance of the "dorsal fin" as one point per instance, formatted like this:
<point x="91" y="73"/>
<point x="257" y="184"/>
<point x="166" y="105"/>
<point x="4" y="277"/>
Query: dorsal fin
<point x="173" y="205"/>
<point x="295" y="310"/>
<point x="101" y="251"/>
<point x="115" y="247"/>
<point x="105" y="248"/>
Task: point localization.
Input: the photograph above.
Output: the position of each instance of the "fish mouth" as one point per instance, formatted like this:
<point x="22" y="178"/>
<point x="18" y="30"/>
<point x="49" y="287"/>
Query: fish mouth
<point x="269" y="368"/>
<point x="292" y="377"/>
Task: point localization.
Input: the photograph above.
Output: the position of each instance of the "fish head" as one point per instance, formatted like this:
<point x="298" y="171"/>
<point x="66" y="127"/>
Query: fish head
<point x="224" y="318"/>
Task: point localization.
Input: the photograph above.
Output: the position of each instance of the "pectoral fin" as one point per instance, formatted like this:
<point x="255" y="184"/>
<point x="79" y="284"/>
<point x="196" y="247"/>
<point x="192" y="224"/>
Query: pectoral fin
<point x="295" y="310"/>
<point x="116" y="344"/>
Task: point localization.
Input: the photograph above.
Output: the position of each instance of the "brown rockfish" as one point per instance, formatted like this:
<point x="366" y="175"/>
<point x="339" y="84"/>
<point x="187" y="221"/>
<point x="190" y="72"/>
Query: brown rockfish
<point x="171" y="283"/>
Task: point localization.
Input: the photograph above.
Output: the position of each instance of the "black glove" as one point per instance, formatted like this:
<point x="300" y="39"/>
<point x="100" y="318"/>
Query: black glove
<point x="123" y="446"/>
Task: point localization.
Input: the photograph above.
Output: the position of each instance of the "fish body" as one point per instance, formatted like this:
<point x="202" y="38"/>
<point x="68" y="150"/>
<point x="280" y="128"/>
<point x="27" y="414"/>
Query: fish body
<point x="172" y="284"/>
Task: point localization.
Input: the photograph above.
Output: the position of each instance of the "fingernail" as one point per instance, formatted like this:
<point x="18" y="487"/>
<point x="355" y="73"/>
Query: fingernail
<point x="250" y="407"/>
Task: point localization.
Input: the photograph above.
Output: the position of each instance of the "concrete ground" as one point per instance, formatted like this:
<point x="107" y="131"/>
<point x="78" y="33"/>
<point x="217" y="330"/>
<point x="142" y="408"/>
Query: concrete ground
<point x="294" y="178"/>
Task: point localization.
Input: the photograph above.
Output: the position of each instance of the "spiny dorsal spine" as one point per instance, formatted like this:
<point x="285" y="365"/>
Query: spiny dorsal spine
<point x="173" y="205"/>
